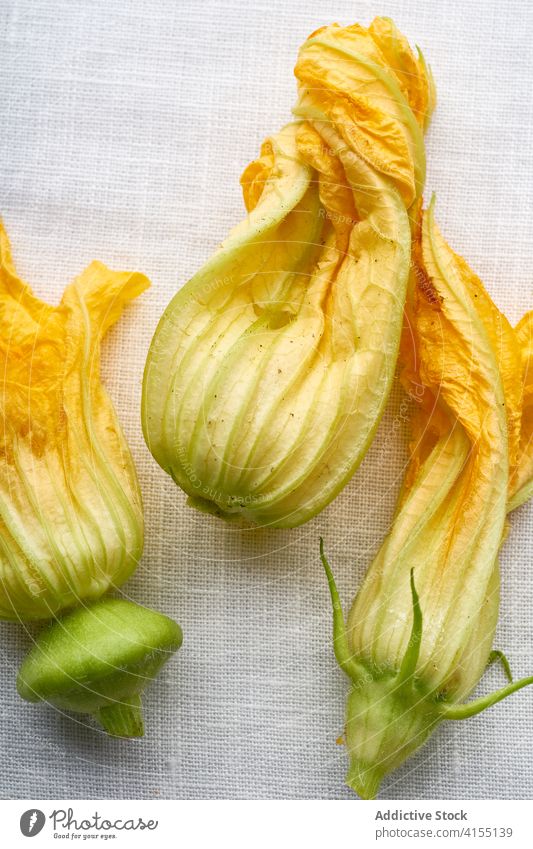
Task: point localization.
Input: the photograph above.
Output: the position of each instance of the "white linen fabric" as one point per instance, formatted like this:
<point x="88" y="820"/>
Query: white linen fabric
<point x="125" y="125"/>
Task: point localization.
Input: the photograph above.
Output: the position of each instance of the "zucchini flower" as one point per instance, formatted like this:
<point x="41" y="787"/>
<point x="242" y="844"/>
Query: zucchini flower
<point x="71" y="522"/>
<point x="420" y="632"/>
<point x="270" y="368"/>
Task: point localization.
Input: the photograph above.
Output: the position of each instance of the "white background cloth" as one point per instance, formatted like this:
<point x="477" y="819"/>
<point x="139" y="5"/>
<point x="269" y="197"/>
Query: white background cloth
<point x="125" y="125"/>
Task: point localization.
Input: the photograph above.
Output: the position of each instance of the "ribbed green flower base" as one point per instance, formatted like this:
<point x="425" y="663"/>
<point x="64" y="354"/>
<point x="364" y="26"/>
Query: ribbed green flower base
<point x="391" y="713"/>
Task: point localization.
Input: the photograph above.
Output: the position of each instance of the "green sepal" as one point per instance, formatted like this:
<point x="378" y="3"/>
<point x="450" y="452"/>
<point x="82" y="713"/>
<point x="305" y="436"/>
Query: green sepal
<point x="469" y="709"/>
<point x="341" y="645"/>
<point x="497" y="656"/>
<point x="412" y="652"/>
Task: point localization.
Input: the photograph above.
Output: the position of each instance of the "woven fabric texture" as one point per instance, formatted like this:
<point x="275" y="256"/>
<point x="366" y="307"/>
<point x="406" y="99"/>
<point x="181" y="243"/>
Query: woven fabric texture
<point x="125" y="127"/>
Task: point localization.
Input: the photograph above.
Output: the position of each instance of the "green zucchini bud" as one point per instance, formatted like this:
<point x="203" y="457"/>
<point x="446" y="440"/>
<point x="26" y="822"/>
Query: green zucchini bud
<point x="98" y="660"/>
<point x="391" y="711"/>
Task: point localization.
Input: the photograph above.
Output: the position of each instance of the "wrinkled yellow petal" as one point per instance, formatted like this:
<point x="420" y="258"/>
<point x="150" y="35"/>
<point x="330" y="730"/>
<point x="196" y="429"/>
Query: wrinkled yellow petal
<point x="413" y="76"/>
<point x="335" y="193"/>
<point x="70" y="507"/>
<point x="521" y="487"/>
<point x="355" y="78"/>
<point x="256" y="175"/>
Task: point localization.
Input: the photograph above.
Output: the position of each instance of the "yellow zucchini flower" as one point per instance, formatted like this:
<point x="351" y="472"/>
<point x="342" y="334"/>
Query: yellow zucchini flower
<point x="71" y="523"/>
<point x="270" y="368"/>
<point x="420" y="631"/>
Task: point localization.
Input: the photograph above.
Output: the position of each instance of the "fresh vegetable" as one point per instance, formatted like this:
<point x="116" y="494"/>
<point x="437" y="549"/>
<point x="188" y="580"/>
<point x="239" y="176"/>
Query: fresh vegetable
<point x="98" y="660"/>
<point x="71" y="521"/>
<point x="420" y="631"/>
<point x="269" y="370"/>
